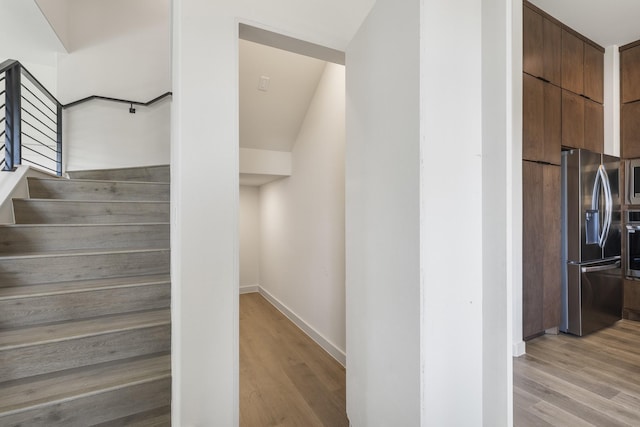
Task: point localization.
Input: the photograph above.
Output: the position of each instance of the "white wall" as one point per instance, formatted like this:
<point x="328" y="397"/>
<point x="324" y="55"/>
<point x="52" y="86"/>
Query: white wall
<point x="612" y="100"/>
<point x="118" y="49"/>
<point x="204" y="165"/>
<point x="302" y="262"/>
<point x="383" y="218"/>
<point x="26" y="36"/>
<point x="249" y="236"/>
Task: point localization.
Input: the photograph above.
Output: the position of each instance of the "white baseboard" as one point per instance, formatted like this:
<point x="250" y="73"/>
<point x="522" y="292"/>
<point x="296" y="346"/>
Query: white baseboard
<point x="519" y="348"/>
<point x="327" y="345"/>
<point x="249" y="289"/>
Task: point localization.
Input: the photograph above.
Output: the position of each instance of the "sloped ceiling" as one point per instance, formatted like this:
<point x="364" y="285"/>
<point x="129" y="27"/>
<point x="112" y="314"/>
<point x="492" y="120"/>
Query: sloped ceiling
<point x="607" y="23"/>
<point x="24" y="29"/>
<point x="271" y="119"/>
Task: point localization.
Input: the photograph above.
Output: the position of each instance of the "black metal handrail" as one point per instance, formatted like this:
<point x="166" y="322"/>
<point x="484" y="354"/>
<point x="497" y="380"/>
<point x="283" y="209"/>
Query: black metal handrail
<point x="32" y="120"/>
<point x="123" y="101"/>
<point x="42" y="136"/>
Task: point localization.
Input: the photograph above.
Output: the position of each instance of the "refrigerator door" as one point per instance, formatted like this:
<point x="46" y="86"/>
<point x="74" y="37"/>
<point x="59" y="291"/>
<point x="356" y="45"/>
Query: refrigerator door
<point x="583" y="224"/>
<point x="613" y="243"/>
<point x="593" y="297"/>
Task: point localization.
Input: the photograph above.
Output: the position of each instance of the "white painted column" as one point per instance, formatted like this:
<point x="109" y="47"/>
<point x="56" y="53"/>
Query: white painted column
<point x="612" y="101"/>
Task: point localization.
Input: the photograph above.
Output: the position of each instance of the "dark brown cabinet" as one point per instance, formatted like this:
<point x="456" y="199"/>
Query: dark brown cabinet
<point x="630" y="130"/>
<point x="630" y="74"/>
<point x="582" y="67"/>
<point x="582" y="122"/>
<point x="541" y="248"/>
<point x="630" y="98"/>
<point x="542" y="53"/>
<point x="593" y="73"/>
<point x="541" y="121"/>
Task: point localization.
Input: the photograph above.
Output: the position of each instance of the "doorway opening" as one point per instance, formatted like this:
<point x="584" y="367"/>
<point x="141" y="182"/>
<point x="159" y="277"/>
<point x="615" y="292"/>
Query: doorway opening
<point x="292" y="260"/>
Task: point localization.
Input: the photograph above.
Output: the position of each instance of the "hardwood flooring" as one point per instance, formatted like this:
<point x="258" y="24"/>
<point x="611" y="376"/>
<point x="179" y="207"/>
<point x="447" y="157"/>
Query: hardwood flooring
<point x="580" y="381"/>
<point x="286" y="379"/>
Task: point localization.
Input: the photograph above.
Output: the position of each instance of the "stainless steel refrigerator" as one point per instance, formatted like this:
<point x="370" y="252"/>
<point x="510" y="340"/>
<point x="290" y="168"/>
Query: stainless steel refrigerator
<point x="591" y="242"/>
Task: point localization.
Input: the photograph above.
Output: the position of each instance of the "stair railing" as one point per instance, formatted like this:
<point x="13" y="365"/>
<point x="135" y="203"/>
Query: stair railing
<point x="32" y="119"/>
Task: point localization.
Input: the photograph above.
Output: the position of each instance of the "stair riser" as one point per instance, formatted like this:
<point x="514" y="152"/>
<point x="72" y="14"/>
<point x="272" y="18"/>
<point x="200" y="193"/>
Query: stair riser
<point x="26" y="239"/>
<point x="96" y="190"/>
<point x="73" y="353"/>
<point x="160" y="417"/>
<point x="97" y="408"/>
<point x="144" y="174"/>
<point x="69" y="212"/>
<point x="80" y="305"/>
<point x="51" y="269"/>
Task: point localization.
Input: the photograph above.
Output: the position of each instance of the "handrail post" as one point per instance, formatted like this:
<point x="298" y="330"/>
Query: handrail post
<point x="13" y="110"/>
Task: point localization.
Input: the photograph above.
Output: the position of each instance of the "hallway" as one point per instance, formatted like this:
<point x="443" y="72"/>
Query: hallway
<point x="286" y="379"/>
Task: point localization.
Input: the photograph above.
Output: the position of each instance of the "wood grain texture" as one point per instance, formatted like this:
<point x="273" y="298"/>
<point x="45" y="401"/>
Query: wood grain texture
<point x="96" y="408"/>
<point x="572" y="120"/>
<point x="17" y="396"/>
<point x="40" y="188"/>
<point x="21" y="239"/>
<point x="160" y="173"/>
<point x="593" y="73"/>
<point x="83" y="351"/>
<point x="565" y="380"/>
<point x="286" y="379"/>
<point x="37" y="269"/>
<point x="593" y="126"/>
<point x="51" y="307"/>
<point x="630" y="130"/>
<point x="45" y="211"/>
<point x="542" y="46"/>
<point x="630" y="75"/>
<point x="541" y="248"/>
<point x="159" y="417"/>
<point x="572" y="62"/>
<point x="85" y="328"/>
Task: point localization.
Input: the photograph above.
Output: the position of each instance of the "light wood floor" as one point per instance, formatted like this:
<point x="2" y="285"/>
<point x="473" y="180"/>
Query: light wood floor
<point x="571" y="381"/>
<point x="286" y="379"/>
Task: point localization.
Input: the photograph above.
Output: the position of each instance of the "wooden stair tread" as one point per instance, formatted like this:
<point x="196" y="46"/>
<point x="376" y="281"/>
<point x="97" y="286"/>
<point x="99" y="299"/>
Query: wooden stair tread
<point x="76" y="252"/>
<point x="70" y="189"/>
<point x="99" y="181"/>
<point x="60" y="288"/>
<point x="70" y="201"/>
<point x="35" y="335"/>
<point x="35" y="226"/>
<point x="57" y="387"/>
<point x="154" y="173"/>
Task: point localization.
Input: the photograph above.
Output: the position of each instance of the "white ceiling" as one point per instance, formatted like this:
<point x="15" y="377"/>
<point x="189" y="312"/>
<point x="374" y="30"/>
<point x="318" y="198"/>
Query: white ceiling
<point x="271" y="120"/>
<point x="607" y="23"/>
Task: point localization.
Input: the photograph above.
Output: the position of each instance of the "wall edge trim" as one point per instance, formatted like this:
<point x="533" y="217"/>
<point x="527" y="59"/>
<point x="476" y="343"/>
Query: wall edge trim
<point x="339" y="355"/>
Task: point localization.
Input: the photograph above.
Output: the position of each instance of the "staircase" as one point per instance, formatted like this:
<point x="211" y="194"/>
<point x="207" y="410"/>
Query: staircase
<point x="85" y="327"/>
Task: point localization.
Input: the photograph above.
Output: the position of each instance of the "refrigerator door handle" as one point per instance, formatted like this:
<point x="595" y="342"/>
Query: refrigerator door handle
<point x="602" y="179"/>
<point x="608" y="199"/>
<point x="600" y="267"/>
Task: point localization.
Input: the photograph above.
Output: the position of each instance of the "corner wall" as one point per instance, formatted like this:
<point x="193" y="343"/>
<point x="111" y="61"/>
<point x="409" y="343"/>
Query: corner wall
<point x="119" y="49"/>
<point x="383" y="218"/>
<point x="302" y="261"/>
<point x="249" y="237"/>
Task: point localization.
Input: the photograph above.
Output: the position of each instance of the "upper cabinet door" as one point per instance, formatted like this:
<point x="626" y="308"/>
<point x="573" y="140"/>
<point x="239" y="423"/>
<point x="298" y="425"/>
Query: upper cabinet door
<point x="593" y="73"/>
<point x="542" y="51"/>
<point x="630" y="74"/>
<point x="532" y="43"/>
<point x="572" y="63"/>
<point x="541" y="121"/>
